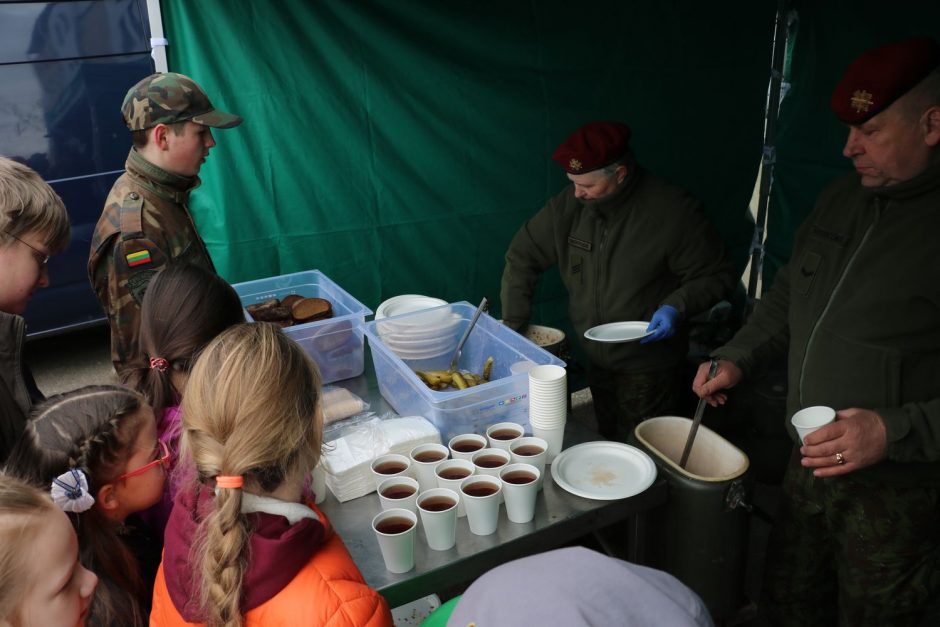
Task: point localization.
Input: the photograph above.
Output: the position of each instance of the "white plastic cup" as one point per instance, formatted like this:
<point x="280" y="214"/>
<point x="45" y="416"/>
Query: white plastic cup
<point x="555" y="437"/>
<point x="440" y="525"/>
<point x="468" y="440"/>
<point x="399" y="485"/>
<point x="391" y="459"/>
<point x="398" y="544"/>
<point x="537" y="460"/>
<point x="455" y="465"/>
<point x="424" y="470"/>
<point x="319" y="483"/>
<point x="809" y="419"/>
<point x="520" y="497"/>
<point x="482" y="509"/>
<point x="508" y="433"/>
<point x="493" y="471"/>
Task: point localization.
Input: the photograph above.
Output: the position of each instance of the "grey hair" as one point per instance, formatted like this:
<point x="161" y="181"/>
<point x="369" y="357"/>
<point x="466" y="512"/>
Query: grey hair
<point x="922" y="96"/>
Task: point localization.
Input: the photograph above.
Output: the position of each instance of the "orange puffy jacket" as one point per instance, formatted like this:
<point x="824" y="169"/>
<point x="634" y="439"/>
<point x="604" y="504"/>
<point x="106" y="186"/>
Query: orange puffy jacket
<point x="329" y="590"/>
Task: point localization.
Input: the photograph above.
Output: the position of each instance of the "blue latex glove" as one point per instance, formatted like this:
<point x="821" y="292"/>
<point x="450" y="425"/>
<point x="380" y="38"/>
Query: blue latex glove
<point x="662" y="325"/>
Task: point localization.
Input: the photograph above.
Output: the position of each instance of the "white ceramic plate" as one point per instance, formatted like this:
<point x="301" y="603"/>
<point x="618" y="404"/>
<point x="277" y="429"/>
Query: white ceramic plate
<point x="406" y="303"/>
<point x="605" y="471"/>
<point x="618" y="331"/>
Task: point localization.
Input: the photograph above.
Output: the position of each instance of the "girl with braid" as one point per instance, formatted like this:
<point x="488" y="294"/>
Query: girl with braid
<point x="242" y="547"/>
<point x="184" y="308"/>
<point x="95" y="450"/>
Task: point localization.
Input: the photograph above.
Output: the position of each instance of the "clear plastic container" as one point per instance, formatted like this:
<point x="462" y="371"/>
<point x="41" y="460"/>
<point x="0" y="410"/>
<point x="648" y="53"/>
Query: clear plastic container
<point x="335" y="344"/>
<point x="505" y="398"/>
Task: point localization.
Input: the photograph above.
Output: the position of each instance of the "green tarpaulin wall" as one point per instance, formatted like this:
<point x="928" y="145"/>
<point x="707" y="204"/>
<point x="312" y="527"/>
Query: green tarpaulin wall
<point x="397" y="146"/>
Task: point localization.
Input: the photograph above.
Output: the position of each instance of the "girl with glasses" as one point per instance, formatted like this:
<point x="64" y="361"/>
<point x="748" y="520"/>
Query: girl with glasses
<point x="95" y="450"/>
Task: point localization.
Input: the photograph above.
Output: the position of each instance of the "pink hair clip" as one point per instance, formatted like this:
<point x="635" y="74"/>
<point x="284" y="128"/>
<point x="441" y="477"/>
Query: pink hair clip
<point x="159" y="363"/>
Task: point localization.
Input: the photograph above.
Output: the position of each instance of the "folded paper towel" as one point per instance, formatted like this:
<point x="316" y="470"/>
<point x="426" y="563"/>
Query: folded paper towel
<point x="340" y="403"/>
<point x="348" y="459"/>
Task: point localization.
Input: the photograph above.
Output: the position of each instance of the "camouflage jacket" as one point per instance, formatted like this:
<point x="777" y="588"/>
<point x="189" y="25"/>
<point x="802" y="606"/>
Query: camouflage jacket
<point x="144" y="225"/>
<point x="14" y="395"/>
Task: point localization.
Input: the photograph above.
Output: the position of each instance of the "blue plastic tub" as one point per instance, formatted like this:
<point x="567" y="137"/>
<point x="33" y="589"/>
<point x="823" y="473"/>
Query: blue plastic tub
<point x="335" y="344"/>
<point x="504" y="398"/>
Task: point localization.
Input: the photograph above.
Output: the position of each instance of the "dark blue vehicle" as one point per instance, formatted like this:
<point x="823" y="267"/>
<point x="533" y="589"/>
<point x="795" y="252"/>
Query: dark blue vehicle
<point x="65" y="68"/>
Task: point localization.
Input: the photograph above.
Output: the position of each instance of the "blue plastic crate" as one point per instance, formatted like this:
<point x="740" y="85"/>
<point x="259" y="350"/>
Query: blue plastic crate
<point x="335" y="344"/>
<point x="504" y="398"/>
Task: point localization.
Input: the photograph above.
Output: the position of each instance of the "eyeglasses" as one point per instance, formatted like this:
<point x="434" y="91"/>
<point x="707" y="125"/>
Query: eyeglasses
<point x="163" y="460"/>
<point x="42" y="257"/>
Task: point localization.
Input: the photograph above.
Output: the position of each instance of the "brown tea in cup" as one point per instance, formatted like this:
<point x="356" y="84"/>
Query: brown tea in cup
<point x="479" y="489"/>
<point x="490" y="461"/>
<point x="401" y="491"/>
<point x="505" y="434"/>
<point x="454" y="473"/>
<point x="528" y="450"/>
<point x="468" y="446"/>
<point x="518" y="477"/>
<point x="392" y="526"/>
<point x="437" y="503"/>
<point x="427" y="457"/>
<point x="389" y="468"/>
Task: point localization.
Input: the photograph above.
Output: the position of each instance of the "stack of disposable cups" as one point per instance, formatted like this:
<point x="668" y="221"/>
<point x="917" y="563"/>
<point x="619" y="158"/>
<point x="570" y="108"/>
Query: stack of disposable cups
<point x="548" y="406"/>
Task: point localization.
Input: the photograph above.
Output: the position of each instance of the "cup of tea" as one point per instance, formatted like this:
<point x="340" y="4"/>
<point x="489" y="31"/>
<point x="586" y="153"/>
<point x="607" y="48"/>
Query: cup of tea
<point x="465" y="445"/>
<point x="424" y="459"/>
<point x="395" y="530"/>
<point x="399" y="492"/>
<point x="531" y="450"/>
<point x="438" y="509"/>
<point x="520" y="487"/>
<point x="502" y="434"/>
<point x="480" y="494"/>
<point x="450" y="475"/>
<point x="390" y="465"/>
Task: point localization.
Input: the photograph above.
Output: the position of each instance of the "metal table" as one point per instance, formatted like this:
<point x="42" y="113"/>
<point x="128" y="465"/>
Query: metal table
<point x="560" y="517"/>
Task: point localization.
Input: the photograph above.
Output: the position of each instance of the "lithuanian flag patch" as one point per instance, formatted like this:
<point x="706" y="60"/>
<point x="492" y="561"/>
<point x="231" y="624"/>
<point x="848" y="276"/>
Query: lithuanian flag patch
<point x="138" y="259"/>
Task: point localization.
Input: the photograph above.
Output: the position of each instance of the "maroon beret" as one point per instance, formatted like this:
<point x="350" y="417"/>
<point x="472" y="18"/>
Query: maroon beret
<point x="593" y="146"/>
<point x="880" y="76"/>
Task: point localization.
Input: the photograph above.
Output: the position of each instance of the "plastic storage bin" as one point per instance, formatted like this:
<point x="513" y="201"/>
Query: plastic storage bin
<point x="504" y="398"/>
<point x="335" y="344"/>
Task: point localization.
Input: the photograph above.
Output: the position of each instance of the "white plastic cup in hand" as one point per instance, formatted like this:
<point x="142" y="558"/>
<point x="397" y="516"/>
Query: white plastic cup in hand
<point x="520" y="487"/>
<point x="531" y="450"/>
<point x="396" y="530"/>
<point x="450" y="475"/>
<point x="399" y="492"/>
<point x="465" y="445"/>
<point x="424" y="459"/>
<point x="502" y="434"/>
<point x="438" y="509"/>
<point x="809" y="419"/>
<point x="480" y="494"/>
<point x="390" y="465"/>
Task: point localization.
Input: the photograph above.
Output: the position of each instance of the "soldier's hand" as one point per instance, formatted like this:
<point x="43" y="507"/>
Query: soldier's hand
<point x="857" y="437"/>
<point x="727" y="376"/>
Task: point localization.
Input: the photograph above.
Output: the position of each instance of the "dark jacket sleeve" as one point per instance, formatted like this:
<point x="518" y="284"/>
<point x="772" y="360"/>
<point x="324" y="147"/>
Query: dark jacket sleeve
<point x="530" y="253"/>
<point x="700" y="261"/>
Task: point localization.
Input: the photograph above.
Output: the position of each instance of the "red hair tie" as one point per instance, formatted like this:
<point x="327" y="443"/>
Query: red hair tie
<point x="159" y="363"/>
<point x="229" y="481"/>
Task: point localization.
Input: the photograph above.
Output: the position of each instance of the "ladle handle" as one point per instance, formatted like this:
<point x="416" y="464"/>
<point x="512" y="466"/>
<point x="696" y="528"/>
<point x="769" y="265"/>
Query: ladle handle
<point x="466" y="334"/>
<point x="699" y="410"/>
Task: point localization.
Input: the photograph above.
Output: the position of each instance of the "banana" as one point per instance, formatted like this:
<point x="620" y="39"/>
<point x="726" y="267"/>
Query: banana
<point x="487" y="368"/>
<point x="458" y="380"/>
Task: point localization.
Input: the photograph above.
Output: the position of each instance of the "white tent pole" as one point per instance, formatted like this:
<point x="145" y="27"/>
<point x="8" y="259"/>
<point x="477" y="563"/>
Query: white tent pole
<point x="158" y="42"/>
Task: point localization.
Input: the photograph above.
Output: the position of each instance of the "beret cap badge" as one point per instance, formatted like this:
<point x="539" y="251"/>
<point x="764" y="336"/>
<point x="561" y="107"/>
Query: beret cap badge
<point x="574" y="165"/>
<point x="861" y="100"/>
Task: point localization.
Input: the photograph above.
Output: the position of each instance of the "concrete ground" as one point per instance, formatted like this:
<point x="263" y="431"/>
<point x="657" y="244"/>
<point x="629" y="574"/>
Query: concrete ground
<point x="64" y="362"/>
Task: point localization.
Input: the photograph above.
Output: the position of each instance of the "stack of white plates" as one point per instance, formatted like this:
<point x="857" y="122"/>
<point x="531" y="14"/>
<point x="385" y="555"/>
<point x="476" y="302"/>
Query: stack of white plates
<point x="417" y="327"/>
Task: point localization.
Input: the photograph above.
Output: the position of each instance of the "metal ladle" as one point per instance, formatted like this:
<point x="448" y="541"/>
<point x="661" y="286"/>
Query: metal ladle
<point x="466" y="334"/>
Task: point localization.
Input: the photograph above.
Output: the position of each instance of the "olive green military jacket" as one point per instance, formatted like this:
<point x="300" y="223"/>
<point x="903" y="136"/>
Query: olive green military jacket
<point x="144" y="225"/>
<point x="858" y="310"/>
<point x="14" y="396"/>
<point x="620" y="258"/>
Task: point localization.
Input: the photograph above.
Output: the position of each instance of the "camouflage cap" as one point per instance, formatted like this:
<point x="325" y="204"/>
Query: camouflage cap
<point x="165" y="98"/>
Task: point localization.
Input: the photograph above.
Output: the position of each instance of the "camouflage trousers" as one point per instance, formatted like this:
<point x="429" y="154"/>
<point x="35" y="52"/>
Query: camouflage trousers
<point x="851" y="554"/>
<point x="622" y="400"/>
